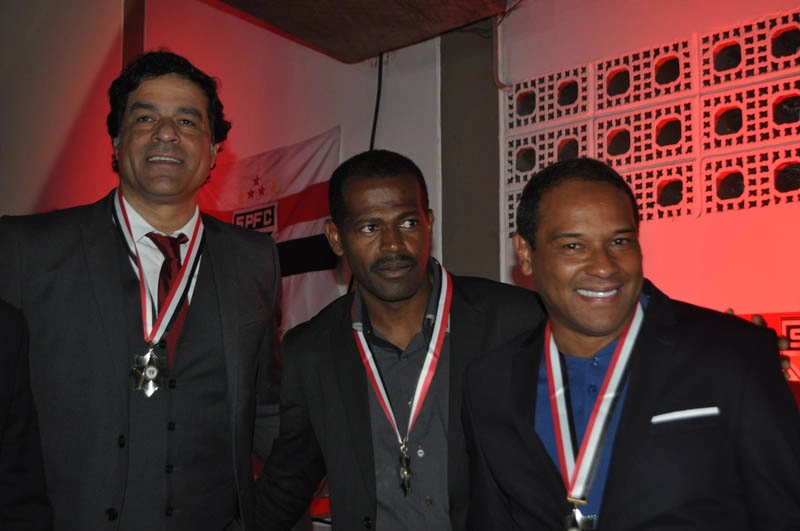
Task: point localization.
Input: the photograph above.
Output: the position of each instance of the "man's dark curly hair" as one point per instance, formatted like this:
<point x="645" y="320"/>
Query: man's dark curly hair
<point x="159" y="63"/>
<point x="582" y="169"/>
<point x="368" y="165"/>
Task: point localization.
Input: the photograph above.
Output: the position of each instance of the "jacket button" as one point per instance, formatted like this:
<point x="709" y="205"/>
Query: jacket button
<point x="171" y="425"/>
<point x="112" y="513"/>
<point x="121" y="441"/>
<point x="172" y="383"/>
<point x="169" y="469"/>
<point x="169" y="510"/>
<point x="367" y="522"/>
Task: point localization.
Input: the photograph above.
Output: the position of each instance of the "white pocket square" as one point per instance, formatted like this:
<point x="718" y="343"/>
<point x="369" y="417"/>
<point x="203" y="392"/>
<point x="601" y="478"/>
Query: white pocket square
<point x="684" y="414"/>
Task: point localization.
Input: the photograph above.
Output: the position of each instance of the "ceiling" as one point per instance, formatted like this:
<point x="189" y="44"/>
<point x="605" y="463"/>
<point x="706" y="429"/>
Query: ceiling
<point x="354" y="30"/>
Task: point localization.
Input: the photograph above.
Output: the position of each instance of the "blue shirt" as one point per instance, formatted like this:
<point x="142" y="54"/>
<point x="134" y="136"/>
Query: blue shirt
<point x="584" y="379"/>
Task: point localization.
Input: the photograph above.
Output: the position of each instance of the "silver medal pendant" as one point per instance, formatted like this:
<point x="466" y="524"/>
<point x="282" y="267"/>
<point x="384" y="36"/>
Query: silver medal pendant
<point x="147" y="372"/>
<point x="575" y="521"/>
<point x="405" y="470"/>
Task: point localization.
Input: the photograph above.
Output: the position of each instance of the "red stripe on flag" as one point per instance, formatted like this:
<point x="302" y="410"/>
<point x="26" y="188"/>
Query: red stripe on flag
<point x="309" y="204"/>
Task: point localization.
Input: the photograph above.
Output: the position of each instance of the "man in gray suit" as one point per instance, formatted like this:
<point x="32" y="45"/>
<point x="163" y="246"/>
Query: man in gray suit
<point x="151" y="323"/>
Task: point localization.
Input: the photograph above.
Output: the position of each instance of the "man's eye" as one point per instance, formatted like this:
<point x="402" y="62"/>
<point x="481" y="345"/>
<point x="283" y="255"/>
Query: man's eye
<point x="571" y="246"/>
<point x="368" y="228"/>
<point x="186" y="121"/>
<point x="409" y="224"/>
<point x="144" y="118"/>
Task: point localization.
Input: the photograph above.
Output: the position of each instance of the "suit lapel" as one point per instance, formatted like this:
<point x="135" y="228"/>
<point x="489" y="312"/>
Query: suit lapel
<point x="646" y="381"/>
<point x="467" y="335"/>
<point x="225" y="279"/>
<point x="524" y="378"/>
<point x="107" y="271"/>
<point x="351" y="380"/>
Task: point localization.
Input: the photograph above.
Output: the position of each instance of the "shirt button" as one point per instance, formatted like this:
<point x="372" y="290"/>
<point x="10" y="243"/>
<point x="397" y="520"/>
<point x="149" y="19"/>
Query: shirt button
<point x="121" y="441"/>
<point x="593" y="389"/>
<point x="595" y="362"/>
<point x="169" y="469"/>
<point x="171" y="425"/>
<point x="112" y="514"/>
<point x="367" y="522"/>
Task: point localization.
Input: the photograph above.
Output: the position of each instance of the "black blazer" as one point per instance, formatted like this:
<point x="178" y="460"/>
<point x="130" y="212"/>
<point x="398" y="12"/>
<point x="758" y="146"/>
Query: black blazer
<point x="325" y="423"/>
<point x="23" y="498"/>
<point x="739" y="469"/>
<point x="68" y="271"/>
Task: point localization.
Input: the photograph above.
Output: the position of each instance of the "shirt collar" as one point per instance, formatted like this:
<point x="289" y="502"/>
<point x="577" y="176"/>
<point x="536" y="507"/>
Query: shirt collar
<point x="361" y="318"/>
<point x="140" y="227"/>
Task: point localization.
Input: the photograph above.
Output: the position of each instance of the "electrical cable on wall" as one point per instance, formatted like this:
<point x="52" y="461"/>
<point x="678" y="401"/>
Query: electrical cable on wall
<point x="377" y="103"/>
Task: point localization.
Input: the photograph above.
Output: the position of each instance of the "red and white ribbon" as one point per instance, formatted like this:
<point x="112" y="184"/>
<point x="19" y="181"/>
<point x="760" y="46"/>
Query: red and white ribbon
<point x="428" y="367"/>
<point x="155" y="325"/>
<point x="578" y="474"/>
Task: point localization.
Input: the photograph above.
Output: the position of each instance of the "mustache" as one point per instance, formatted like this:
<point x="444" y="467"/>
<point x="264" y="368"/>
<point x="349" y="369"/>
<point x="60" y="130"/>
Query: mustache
<point x="168" y="151"/>
<point x="393" y="262"/>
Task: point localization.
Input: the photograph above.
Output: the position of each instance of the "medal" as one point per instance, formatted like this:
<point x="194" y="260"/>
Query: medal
<point x="148" y="369"/>
<point x="575" y="521"/>
<point x="405" y="469"/>
<point x="425" y="377"/>
<point x="578" y="471"/>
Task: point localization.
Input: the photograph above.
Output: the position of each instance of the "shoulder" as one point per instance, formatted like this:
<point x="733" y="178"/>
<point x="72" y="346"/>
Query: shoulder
<point x="55" y="221"/>
<point x="710" y="326"/>
<point x="709" y="338"/>
<point x="489" y="292"/>
<point x="316" y="332"/>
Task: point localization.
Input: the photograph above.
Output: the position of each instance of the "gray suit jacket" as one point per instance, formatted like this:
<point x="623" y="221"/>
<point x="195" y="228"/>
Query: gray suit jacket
<point x="69" y="272"/>
<point x="325" y="421"/>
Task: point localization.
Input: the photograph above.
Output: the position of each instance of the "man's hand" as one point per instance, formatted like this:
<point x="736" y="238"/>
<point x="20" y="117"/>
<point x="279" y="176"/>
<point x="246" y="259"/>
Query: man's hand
<point x="783" y="341"/>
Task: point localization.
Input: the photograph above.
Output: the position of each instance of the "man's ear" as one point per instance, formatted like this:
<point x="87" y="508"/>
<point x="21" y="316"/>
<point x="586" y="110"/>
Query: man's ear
<point x="524" y="254"/>
<point x="332" y="233"/>
<point x="430" y="220"/>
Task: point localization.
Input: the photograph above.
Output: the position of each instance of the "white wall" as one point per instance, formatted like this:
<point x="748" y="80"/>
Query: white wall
<point x="278" y="92"/>
<point x="744" y="260"/>
<point x="57" y="62"/>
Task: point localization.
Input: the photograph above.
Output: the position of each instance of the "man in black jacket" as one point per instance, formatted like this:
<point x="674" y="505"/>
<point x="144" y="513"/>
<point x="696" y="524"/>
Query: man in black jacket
<point x="371" y="389"/>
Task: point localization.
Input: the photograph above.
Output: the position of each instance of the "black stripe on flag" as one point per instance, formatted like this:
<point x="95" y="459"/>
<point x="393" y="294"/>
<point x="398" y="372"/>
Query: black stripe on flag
<point x="304" y="255"/>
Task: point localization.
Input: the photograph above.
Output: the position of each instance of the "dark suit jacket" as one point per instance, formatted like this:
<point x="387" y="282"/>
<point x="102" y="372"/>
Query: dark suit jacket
<point x="737" y="470"/>
<point x="325" y="422"/>
<point x="23" y="498"/>
<point x="66" y="271"/>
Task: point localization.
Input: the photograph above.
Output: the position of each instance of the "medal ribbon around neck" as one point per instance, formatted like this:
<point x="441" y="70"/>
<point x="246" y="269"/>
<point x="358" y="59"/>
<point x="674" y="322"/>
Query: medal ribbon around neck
<point x="578" y="475"/>
<point x="428" y="368"/>
<point x="153" y="331"/>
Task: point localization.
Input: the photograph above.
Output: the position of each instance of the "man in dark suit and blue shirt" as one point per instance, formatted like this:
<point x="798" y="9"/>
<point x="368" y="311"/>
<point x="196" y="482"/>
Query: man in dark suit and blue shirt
<point x="151" y="323"/>
<point x="627" y="410"/>
<point x="371" y="388"/>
